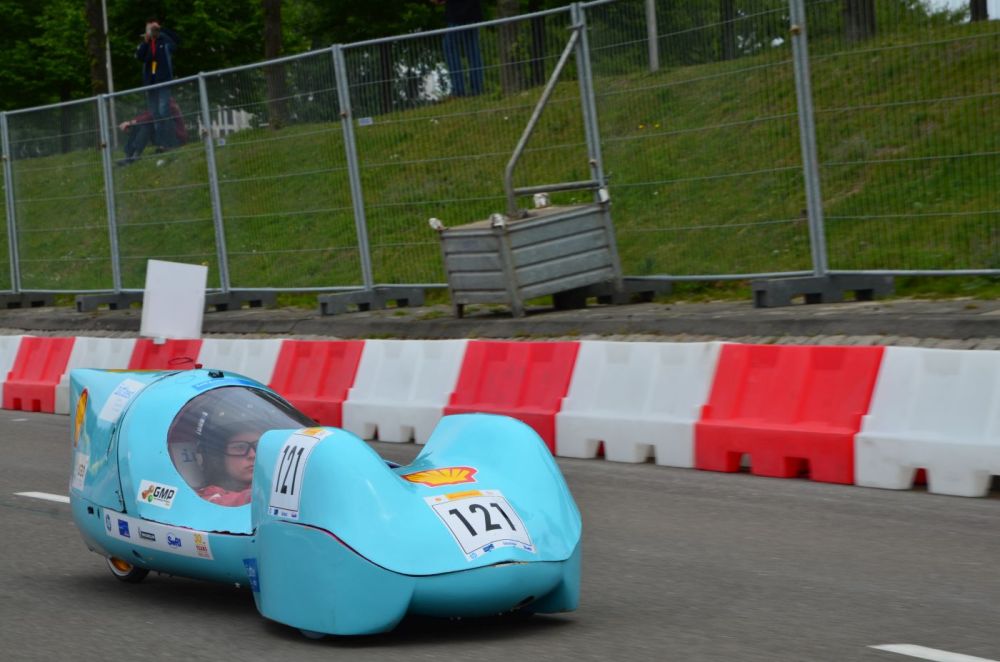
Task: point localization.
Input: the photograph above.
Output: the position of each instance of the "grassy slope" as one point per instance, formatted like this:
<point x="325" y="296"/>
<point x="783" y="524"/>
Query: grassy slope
<point x="705" y="166"/>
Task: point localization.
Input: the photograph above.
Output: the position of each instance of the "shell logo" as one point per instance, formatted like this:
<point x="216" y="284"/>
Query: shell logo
<point x="444" y="476"/>
<point x="81" y="413"/>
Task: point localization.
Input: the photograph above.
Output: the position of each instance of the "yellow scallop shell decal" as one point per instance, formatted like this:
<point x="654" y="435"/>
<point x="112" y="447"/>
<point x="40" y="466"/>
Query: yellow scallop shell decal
<point x="443" y="476"/>
<point x="81" y="413"/>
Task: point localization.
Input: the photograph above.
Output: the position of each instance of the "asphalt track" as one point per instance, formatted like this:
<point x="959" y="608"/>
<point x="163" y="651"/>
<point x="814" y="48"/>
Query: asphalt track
<point x="678" y="565"/>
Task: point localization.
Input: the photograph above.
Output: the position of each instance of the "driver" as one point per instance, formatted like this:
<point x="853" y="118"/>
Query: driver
<point x="227" y="461"/>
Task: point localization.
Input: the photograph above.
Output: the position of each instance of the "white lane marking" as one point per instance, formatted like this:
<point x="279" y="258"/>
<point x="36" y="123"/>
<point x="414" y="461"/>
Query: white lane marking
<point x="924" y="653"/>
<point x="44" y="495"/>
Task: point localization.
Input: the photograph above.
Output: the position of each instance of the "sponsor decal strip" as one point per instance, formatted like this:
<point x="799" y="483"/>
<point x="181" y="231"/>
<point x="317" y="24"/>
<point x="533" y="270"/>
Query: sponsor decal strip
<point x="166" y="538"/>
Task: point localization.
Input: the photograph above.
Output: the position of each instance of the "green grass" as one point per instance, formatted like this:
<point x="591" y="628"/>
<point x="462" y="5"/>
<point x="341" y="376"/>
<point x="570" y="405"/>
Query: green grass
<point x="704" y="161"/>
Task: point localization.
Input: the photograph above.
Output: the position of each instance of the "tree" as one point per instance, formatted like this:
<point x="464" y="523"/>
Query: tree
<point x="979" y="10"/>
<point x="727" y="14"/>
<point x="508" y="37"/>
<point x="276" y="89"/>
<point x="95" y="47"/>
<point x="859" y="20"/>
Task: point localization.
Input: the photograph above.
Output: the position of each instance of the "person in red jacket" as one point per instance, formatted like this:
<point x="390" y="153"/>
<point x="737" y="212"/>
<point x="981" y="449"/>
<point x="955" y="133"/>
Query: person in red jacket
<point x="140" y="132"/>
<point x="228" y="467"/>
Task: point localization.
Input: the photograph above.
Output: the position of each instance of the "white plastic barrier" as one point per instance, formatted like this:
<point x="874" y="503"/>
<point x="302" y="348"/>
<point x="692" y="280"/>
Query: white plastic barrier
<point x="103" y="353"/>
<point x="935" y="409"/>
<point x="401" y="388"/>
<point x="252" y="358"/>
<point x="8" y="353"/>
<point x="637" y="398"/>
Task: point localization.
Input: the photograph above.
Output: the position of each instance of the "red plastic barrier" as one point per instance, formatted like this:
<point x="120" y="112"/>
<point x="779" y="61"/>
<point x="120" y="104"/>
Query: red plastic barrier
<point x="524" y="380"/>
<point x="38" y="367"/>
<point x="791" y="408"/>
<point x="170" y="355"/>
<point x="316" y="375"/>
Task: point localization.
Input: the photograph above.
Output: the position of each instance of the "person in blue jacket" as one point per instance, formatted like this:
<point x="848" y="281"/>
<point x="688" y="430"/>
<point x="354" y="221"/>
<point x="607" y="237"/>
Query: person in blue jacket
<point x="463" y="42"/>
<point x="156" y="52"/>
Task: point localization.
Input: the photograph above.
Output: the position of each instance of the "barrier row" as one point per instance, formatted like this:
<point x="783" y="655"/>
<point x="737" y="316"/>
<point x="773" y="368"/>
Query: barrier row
<point x="869" y="416"/>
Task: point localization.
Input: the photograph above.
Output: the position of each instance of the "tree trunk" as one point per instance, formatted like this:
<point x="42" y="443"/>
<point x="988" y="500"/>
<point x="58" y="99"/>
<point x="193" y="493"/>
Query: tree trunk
<point x="277" y="94"/>
<point x="727" y="13"/>
<point x="537" y="72"/>
<point x="95" y="47"/>
<point x="978" y="10"/>
<point x="66" y="129"/>
<point x="859" y="20"/>
<point x="386" y="77"/>
<point x="511" y="75"/>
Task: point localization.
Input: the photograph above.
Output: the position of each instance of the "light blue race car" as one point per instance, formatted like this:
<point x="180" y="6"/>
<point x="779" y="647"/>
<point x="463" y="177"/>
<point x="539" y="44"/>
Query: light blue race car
<point x="212" y="475"/>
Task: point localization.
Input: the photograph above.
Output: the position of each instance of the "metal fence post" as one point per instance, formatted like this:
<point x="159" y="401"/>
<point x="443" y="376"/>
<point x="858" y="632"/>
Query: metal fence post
<point x="353" y="167"/>
<point x="8" y="179"/>
<point x="652" y="36"/>
<point x="588" y="104"/>
<point x="109" y="192"/>
<point x="213" y="186"/>
<point x="807" y="136"/>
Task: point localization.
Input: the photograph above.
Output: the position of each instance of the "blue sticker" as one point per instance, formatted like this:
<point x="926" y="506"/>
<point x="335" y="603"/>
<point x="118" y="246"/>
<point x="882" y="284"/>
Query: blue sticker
<point x="123" y="529"/>
<point x="251" y="566"/>
<point x="173" y="541"/>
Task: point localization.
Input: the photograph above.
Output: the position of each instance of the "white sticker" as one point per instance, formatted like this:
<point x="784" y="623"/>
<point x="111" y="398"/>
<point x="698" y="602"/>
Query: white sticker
<point x="480" y="521"/>
<point x="289" y="468"/>
<point x="116" y="403"/>
<point x="157" y="494"/>
<point x="172" y="539"/>
<point x="81" y="462"/>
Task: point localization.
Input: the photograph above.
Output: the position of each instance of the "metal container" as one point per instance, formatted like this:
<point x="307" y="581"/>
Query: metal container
<point x="554" y="250"/>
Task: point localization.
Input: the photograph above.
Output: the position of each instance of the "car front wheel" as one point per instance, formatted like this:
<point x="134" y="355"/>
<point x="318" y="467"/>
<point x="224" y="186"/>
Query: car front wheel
<point x="125" y="571"/>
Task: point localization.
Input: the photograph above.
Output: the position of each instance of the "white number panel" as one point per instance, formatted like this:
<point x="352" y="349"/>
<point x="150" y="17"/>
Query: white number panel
<point x="481" y="521"/>
<point x="289" y="468"/>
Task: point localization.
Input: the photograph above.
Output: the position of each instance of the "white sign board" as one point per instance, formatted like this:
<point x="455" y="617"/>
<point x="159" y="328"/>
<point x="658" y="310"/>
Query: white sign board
<point x="174" y="301"/>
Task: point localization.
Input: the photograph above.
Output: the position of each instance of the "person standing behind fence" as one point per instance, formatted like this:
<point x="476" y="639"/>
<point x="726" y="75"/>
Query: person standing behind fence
<point x="463" y="42"/>
<point x="156" y="52"/>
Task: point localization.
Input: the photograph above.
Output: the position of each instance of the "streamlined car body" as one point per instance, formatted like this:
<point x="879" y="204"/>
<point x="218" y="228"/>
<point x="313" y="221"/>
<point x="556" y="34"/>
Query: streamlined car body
<point x="331" y="538"/>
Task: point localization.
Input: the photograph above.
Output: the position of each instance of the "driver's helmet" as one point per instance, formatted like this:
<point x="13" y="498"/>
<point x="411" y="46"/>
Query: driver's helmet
<point x="209" y="421"/>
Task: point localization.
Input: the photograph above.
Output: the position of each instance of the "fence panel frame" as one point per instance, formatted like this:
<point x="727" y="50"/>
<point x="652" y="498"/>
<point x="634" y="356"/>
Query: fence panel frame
<point x="8" y="178"/>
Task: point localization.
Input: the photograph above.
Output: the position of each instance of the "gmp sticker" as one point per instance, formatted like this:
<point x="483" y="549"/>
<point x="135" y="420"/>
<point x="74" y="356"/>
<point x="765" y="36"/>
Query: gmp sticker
<point x="157" y="494"/>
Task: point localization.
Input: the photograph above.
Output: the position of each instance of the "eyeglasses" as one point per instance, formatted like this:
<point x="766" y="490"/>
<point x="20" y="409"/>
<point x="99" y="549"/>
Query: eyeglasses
<point x="240" y="448"/>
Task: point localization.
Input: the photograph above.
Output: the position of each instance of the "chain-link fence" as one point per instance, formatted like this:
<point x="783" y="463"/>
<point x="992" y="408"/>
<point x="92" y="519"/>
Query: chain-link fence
<point x="907" y="106"/>
<point x="7" y="268"/>
<point x="60" y="208"/>
<point x="282" y="173"/>
<point x="163" y="206"/>
<point x="320" y="171"/>
<point x="437" y="119"/>
<point x="699" y="125"/>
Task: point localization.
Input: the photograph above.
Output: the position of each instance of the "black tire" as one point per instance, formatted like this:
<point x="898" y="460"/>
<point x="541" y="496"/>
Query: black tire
<point x="125" y="571"/>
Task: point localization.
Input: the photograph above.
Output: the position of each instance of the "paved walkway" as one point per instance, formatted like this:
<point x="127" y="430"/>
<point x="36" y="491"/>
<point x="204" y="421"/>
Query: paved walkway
<point x="954" y="323"/>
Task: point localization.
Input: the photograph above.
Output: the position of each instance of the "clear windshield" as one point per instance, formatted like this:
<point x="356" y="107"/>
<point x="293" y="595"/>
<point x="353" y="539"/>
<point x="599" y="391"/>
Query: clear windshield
<point x="213" y="439"/>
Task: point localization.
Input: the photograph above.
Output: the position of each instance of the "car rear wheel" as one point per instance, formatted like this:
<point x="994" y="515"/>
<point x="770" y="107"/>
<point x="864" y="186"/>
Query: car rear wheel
<point x="125" y="571"/>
